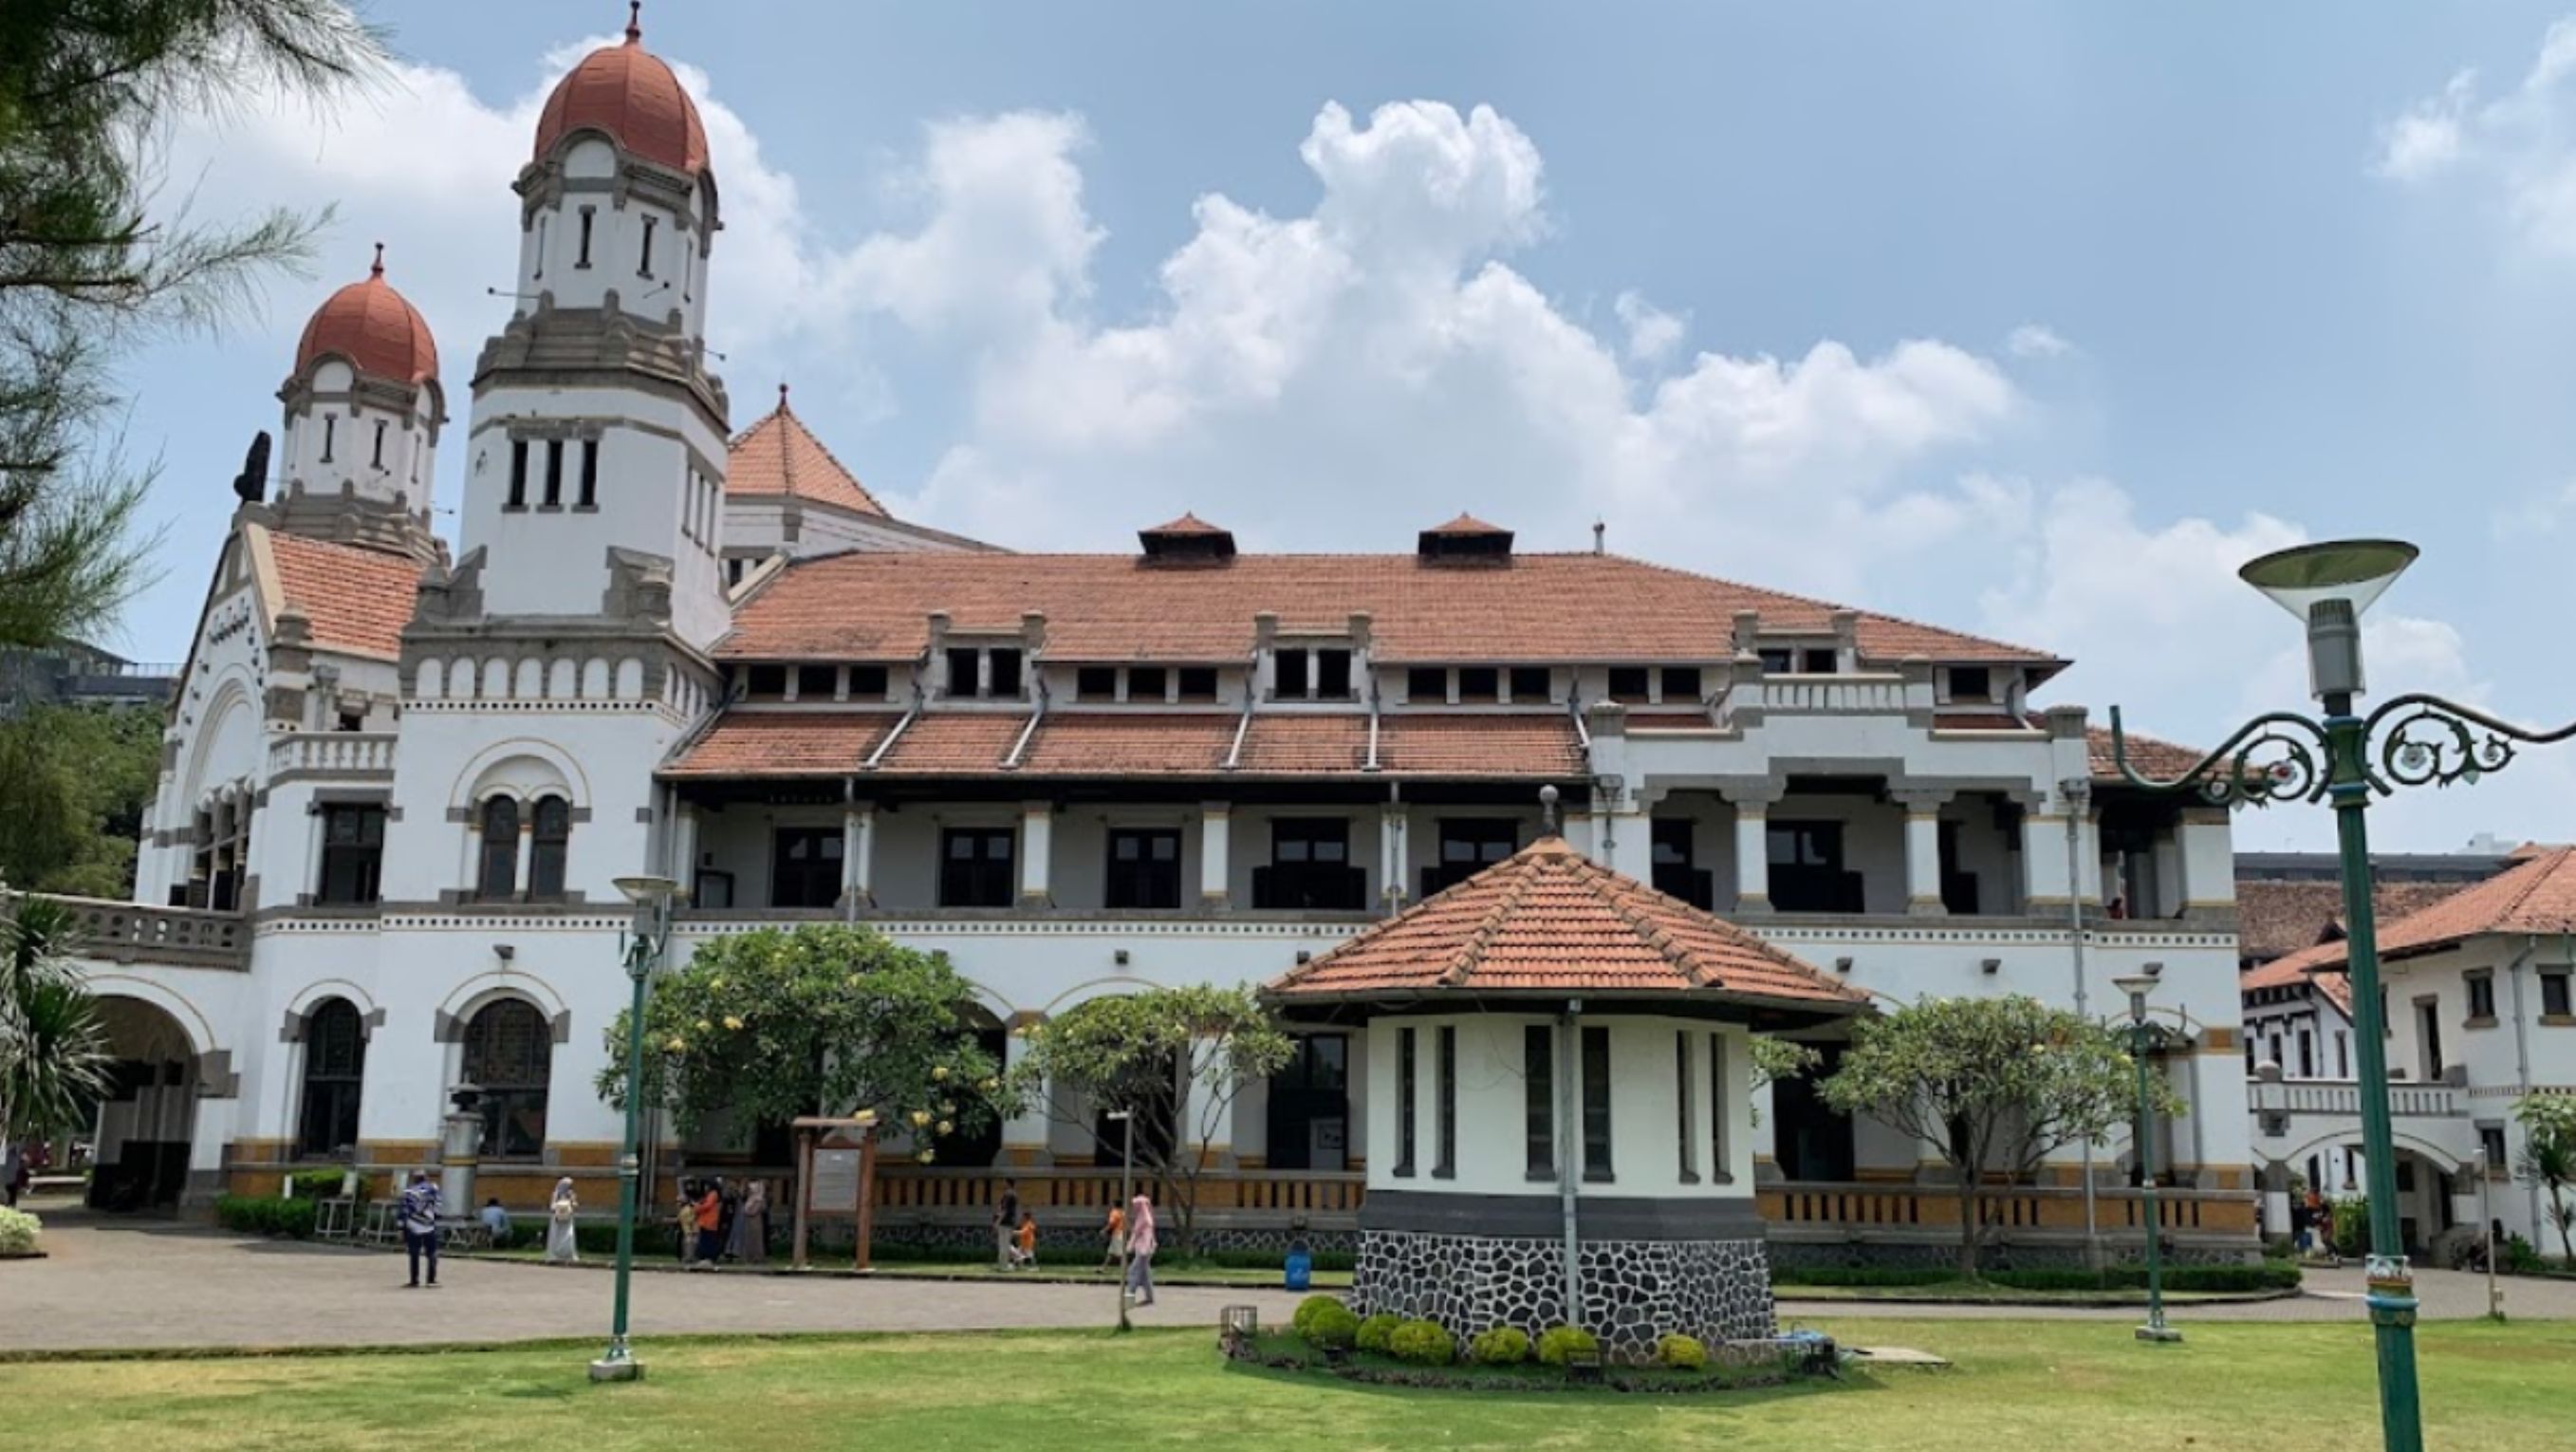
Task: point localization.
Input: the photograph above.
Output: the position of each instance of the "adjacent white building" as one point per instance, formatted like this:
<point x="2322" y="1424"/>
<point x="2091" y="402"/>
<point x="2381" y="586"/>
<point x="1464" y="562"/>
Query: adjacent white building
<point x="398" y="783"/>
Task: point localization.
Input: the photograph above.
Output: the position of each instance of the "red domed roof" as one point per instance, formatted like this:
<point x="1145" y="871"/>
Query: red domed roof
<point x="374" y="327"/>
<point x="629" y="93"/>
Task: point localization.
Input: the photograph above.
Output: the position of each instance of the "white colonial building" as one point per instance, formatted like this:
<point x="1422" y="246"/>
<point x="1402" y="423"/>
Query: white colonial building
<point x="2476" y="994"/>
<point x="398" y="784"/>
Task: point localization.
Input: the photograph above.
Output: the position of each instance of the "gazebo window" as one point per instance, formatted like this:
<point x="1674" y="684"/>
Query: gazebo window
<point x="1596" y="1103"/>
<point x="1405" y="1100"/>
<point x="1446" y="1166"/>
<point x="335" y="1063"/>
<point x="1718" y="1162"/>
<point x="1686" y="1096"/>
<point x="1538" y="1080"/>
<point x="509" y="1055"/>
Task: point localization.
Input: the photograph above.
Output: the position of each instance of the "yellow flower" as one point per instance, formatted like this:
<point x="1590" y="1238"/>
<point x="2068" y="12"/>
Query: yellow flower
<point x="716" y="984"/>
<point x="677" y="1044"/>
<point x="947" y="1127"/>
<point x="920" y="1117"/>
<point x="948" y="1106"/>
<point x="705" y="1027"/>
<point x="733" y="1023"/>
<point x="939" y="1072"/>
<point x="926" y="1156"/>
<point x="989" y="1085"/>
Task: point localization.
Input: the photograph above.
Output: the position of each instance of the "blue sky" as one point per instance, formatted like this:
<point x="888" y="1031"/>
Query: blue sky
<point x="2030" y="320"/>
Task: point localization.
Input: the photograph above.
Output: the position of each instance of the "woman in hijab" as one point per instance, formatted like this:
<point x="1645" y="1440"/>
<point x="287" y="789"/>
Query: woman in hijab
<point x="750" y="1245"/>
<point x="1140" y="1249"/>
<point x="562" y="1207"/>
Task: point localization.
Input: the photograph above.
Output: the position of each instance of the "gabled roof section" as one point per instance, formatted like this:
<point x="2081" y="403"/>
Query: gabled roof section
<point x="1187" y="539"/>
<point x="2149" y="757"/>
<point x="779" y="456"/>
<point x="356" y="600"/>
<point x="2536" y="897"/>
<point x="2277" y="918"/>
<point x="1549" y="921"/>
<point x="1530" y="609"/>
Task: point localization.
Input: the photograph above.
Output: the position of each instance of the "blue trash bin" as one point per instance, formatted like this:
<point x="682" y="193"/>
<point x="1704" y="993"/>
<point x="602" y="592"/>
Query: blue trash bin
<point x="1300" y="1268"/>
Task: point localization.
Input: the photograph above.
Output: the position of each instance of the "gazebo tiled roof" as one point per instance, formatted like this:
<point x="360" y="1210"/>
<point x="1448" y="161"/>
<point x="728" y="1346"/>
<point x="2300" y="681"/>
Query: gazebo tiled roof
<point x="1550" y="923"/>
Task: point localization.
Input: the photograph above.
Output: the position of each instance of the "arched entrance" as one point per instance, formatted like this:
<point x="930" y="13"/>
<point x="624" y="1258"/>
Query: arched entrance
<point x="148" y="1119"/>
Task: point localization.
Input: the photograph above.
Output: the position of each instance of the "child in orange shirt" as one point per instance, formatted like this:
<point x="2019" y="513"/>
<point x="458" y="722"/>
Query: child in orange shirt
<point x="1025" y="1245"/>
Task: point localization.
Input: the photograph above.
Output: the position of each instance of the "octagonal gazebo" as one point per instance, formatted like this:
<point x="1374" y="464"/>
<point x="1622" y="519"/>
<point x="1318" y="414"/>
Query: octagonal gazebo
<point x="1560" y="1111"/>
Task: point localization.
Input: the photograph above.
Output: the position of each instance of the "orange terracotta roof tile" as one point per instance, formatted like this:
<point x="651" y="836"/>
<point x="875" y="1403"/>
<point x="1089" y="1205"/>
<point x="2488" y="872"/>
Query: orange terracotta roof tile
<point x="1533" y="747"/>
<point x="2536" y="896"/>
<point x="357" y="599"/>
<point x="779" y="456"/>
<point x="954" y="743"/>
<point x="1521" y="609"/>
<point x="1297" y="745"/>
<point x="1466" y="524"/>
<point x="2149" y="757"/>
<point x="2275" y="919"/>
<point x="1110" y="744"/>
<point x="1550" y="921"/>
<point x="1188" y="523"/>
<point x="785" y="743"/>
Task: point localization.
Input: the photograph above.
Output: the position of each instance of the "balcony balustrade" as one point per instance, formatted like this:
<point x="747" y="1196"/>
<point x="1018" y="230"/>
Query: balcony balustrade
<point x="331" y="753"/>
<point x="124" y="932"/>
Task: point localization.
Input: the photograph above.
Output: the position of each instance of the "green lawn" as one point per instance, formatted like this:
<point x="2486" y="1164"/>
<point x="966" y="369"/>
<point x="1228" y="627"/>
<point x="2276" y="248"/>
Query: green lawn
<point x="2279" y="1388"/>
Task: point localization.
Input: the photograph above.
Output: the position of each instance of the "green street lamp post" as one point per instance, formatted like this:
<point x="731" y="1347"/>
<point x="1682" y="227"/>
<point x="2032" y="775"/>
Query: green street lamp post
<point x="643" y="948"/>
<point x="2282" y="756"/>
<point x="2137" y="986"/>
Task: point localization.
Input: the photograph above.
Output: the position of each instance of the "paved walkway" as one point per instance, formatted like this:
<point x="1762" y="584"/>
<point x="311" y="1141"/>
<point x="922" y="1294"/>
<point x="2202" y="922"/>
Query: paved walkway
<point x="122" y="1284"/>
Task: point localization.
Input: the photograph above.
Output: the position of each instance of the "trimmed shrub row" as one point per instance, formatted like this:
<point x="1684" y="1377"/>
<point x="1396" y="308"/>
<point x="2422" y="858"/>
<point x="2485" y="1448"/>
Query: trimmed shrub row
<point x="266" y="1215"/>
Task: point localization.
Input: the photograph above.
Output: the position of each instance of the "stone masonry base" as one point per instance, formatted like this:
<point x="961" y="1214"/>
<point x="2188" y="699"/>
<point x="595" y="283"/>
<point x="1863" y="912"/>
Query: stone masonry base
<point x="1633" y="1290"/>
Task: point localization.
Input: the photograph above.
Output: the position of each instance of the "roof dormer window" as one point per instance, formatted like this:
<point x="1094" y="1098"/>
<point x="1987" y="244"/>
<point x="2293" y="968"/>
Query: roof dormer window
<point x="1188" y="540"/>
<point x="1465" y="539"/>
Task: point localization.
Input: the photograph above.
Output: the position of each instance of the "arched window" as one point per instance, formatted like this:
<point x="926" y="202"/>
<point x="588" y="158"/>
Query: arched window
<point x="509" y="1055"/>
<point x="499" y="874"/>
<point x="335" y="1066"/>
<point x="551" y="841"/>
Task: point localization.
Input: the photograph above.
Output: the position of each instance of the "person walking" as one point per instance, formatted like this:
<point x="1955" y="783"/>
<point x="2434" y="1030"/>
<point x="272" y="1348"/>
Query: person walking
<point x="1117" y="1237"/>
<point x="419" y="1212"/>
<point x="1006" y="1224"/>
<point x="688" y="1222"/>
<point x="1140" y="1249"/>
<point x="751" y="1225"/>
<point x="562" y="1246"/>
<point x="710" y="1219"/>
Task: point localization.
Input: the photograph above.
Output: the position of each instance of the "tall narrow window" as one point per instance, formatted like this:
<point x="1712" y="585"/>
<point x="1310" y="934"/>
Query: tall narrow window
<point x="330" y="431"/>
<point x="353" y="851"/>
<point x="335" y="1067"/>
<point x="549" y="845"/>
<point x="1720" y="1167"/>
<point x="1446" y="1086"/>
<point x="1596" y="1103"/>
<point x="2343" y="1054"/>
<point x="1289" y="678"/>
<point x="518" y="474"/>
<point x="500" y="875"/>
<point x="554" y="473"/>
<point x="589" y="474"/>
<point x="587" y="218"/>
<point x="644" y="267"/>
<point x="509" y="1055"/>
<point x="541" y="248"/>
<point x="379" y="460"/>
<point x="1538" y="1098"/>
<point x="1333" y="674"/>
<point x="1686" y="1096"/>
<point x="1405" y="1101"/>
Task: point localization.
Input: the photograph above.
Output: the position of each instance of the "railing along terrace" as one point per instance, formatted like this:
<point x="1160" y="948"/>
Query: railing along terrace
<point x="332" y="753"/>
<point x="2000" y="1207"/>
<point x="125" y="932"/>
<point x="2310" y="1096"/>
<point x="1868" y="694"/>
<point x="971" y="1193"/>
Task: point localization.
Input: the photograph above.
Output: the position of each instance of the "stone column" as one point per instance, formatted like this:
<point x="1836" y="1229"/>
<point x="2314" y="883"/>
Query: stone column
<point x="1037" y="833"/>
<point x="1752" y="847"/>
<point x="1025" y="1134"/>
<point x="684" y="849"/>
<point x="2208" y="885"/>
<point x="2088" y="861"/>
<point x="2044" y="886"/>
<point x="527" y="846"/>
<point x="1216" y="826"/>
<point x="1922" y="850"/>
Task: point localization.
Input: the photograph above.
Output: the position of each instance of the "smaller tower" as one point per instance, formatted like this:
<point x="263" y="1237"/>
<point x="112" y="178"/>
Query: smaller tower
<point x="363" y="411"/>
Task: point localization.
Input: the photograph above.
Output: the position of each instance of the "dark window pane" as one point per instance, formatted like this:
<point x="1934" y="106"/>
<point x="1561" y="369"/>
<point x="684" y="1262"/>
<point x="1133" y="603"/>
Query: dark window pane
<point x="1971" y="683"/>
<point x="1628" y="683"/>
<point x="554" y="473"/>
<point x="1479" y="683"/>
<point x="1289" y="674"/>
<point x="2553" y="995"/>
<point x="1096" y="683"/>
<point x="1819" y="662"/>
<point x="1447" y="1087"/>
<point x="975" y="867"/>
<point x="1309" y="867"/>
<point x="1144" y="869"/>
<point x="867" y="682"/>
<point x="1198" y="683"/>
<point x="1538" y="1098"/>
<point x="962" y="671"/>
<point x="1807" y="872"/>
<point x="815" y="683"/>
<point x="335" y="1061"/>
<point x="1405" y="1101"/>
<point x="549" y="845"/>
<point x="353" y="849"/>
<point x="1775" y="660"/>
<point x="1333" y="674"/>
<point x="1530" y="683"/>
<point x="1426" y="684"/>
<point x="1006" y="674"/>
<point x="509" y="1055"/>
<point x="518" y="473"/>
<point x="589" y="473"/>
<point x="1596" y="1103"/>
<point x="500" y="874"/>
<point x="1145" y="683"/>
<point x="805" y="867"/>
<point x="1681" y="683"/>
<point x="766" y="680"/>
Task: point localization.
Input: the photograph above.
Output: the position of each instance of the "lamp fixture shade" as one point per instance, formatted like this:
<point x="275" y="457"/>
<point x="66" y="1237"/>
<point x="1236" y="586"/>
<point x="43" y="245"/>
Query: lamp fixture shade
<point x="647" y="891"/>
<point x="2358" y="571"/>
<point x="2135" y="985"/>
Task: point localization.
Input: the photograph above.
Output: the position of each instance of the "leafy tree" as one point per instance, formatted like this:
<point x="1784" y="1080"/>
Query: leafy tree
<point x="823" y="1019"/>
<point x="53" y="1050"/>
<point x="86" y="90"/>
<point x="2549" y="1158"/>
<point x="1173" y="1058"/>
<point x="1995" y="1084"/>
<point x="74" y="783"/>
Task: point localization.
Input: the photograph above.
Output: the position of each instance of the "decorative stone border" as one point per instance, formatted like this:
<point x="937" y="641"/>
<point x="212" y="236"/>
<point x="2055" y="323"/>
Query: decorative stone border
<point x="1634" y="1291"/>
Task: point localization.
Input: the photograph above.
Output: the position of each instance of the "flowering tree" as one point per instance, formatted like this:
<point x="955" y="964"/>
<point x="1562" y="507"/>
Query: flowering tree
<point x="824" y="1019"/>
<point x="1174" y="1058"/>
<point x="1994" y="1084"/>
<point x="2549" y="1158"/>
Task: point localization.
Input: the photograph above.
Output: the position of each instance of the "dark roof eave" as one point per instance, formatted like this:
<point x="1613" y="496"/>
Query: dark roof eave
<point x="1823" y="1008"/>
